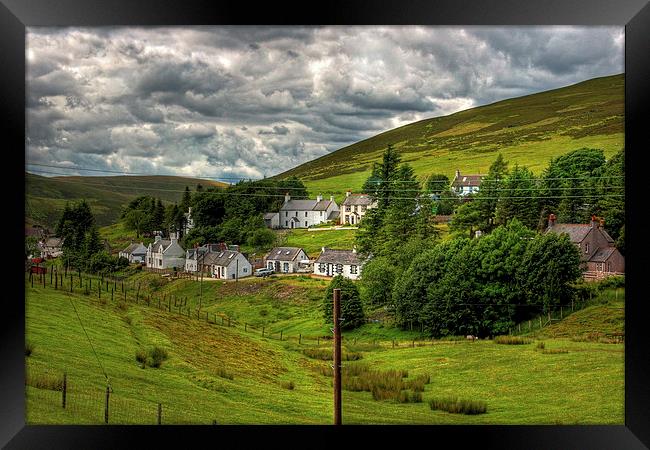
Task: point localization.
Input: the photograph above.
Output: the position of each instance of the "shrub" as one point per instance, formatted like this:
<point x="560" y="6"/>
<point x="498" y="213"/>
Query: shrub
<point x="158" y="355"/>
<point x="287" y="385"/>
<point x="456" y="406"/>
<point x="29" y="348"/>
<point x="141" y="357"/>
<point x="409" y="397"/>
<point x="417" y="383"/>
<point x="122" y="305"/>
<point x="264" y="312"/>
<point x="541" y="345"/>
<point x="511" y="340"/>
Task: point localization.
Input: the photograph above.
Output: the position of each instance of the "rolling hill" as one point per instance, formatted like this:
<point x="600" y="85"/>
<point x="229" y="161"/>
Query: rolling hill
<point x="528" y="130"/>
<point x="46" y="196"/>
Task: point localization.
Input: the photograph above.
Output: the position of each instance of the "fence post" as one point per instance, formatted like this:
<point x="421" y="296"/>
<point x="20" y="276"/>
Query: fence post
<point x="280" y="334"/>
<point x="413" y="343"/>
<point x="51" y="272"/>
<point x="393" y="343"/>
<point x="549" y="317"/>
<point x="159" y="413"/>
<point x="561" y="313"/>
<point x="99" y="291"/>
<point x="529" y="325"/>
<point x="571" y="304"/>
<point x="111" y="295"/>
<point x="540" y="321"/>
<point x="228" y="321"/>
<point x="262" y="329"/>
<point x="65" y="388"/>
<point x="108" y="395"/>
<point x="318" y="341"/>
<point x="299" y="339"/>
<point x="56" y="282"/>
<point x="519" y="326"/>
<point x="70" y="282"/>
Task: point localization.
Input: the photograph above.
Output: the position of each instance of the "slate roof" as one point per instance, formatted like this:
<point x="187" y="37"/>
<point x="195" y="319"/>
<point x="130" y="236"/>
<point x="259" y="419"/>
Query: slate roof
<point x="269" y="216"/>
<point x="468" y="181"/>
<point x="133" y="247"/>
<point x="333" y="215"/>
<point x="338" y="257"/>
<point x="306" y="205"/>
<point x="53" y="242"/>
<point x="577" y="232"/>
<point x="156" y="246"/>
<point x="602" y="254"/>
<point x="357" y="199"/>
<point x="285" y="254"/>
<point x="224" y="258"/>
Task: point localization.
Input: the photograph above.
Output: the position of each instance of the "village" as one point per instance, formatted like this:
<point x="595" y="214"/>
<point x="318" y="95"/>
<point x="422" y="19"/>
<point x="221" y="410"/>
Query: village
<point x="223" y="261"/>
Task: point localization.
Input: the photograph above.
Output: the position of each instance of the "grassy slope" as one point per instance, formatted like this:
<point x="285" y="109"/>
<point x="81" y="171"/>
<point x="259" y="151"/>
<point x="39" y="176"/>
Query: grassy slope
<point x="46" y="196"/>
<point x="528" y="130"/>
<point x="520" y="384"/>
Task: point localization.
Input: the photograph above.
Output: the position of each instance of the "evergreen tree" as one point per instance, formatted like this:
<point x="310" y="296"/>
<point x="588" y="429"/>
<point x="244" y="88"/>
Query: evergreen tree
<point x="518" y="199"/>
<point x="187" y="199"/>
<point x="351" y="308"/>
<point x="489" y="193"/>
<point x="92" y="242"/>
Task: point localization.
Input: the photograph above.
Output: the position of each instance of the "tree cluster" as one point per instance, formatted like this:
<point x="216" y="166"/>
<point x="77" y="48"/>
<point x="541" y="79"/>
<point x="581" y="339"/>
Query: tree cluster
<point x="484" y="286"/>
<point x="352" y="315"/>
<point x="82" y="245"/>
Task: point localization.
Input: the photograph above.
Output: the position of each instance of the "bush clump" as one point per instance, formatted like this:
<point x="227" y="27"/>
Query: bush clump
<point x="541" y="345"/>
<point x="456" y="406"/>
<point x="288" y="385"/>
<point x="326" y="354"/>
<point x="512" y="340"/>
<point x="223" y="373"/>
<point x="154" y="357"/>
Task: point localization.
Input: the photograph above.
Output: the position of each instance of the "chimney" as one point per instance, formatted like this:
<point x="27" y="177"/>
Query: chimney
<point x="551" y="220"/>
<point x="347" y="194"/>
<point x="354" y="249"/>
<point x="594" y="221"/>
<point x="156" y="238"/>
<point x="602" y="223"/>
<point x="331" y="198"/>
<point x="457" y="173"/>
<point x="323" y="249"/>
<point x="287" y="197"/>
<point x="319" y="198"/>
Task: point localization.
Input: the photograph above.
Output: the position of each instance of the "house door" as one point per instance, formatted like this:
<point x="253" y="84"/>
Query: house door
<point x="292" y="224"/>
<point x="352" y="220"/>
<point x="330" y="269"/>
<point x="277" y="265"/>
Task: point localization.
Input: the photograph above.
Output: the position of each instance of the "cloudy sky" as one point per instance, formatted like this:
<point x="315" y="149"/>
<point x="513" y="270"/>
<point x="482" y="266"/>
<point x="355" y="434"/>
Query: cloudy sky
<point x="255" y="101"/>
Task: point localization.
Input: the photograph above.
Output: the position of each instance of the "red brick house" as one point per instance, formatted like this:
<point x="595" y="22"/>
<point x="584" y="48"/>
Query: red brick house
<point x="600" y="256"/>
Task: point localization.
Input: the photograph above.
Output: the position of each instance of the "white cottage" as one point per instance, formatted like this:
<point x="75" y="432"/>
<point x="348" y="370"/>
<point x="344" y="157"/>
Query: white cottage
<point x="466" y="184"/>
<point x="354" y="207"/>
<point x="306" y="213"/>
<point x="285" y="259"/>
<point x="135" y="253"/>
<point x="194" y="256"/>
<point x="227" y="265"/>
<point x="338" y="262"/>
<point x="165" y="254"/>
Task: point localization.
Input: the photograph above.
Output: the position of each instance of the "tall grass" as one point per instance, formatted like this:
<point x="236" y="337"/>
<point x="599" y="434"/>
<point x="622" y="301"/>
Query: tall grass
<point x="512" y="340"/>
<point x="326" y="354"/>
<point x="456" y="406"/>
<point x="45" y="381"/>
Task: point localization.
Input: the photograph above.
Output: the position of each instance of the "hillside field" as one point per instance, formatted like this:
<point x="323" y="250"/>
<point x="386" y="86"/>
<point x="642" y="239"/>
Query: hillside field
<point x="235" y="376"/>
<point x="527" y="130"/>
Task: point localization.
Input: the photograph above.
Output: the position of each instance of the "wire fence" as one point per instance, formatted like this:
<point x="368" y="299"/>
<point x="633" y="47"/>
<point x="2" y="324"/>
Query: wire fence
<point x="121" y="291"/>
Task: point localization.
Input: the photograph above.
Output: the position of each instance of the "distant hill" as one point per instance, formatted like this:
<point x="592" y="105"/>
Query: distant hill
<point x="528" y="130"/>
<point x="46" y="196"/>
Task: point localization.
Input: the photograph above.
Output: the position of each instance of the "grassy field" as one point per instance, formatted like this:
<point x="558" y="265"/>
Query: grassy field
<point x="234" y="376"/>
<point x="528" y="130"/>
<point x="312" y="241"/>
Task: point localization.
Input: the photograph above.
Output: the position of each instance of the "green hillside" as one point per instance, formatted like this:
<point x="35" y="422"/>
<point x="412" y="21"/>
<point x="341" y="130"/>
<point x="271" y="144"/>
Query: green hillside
<point x="528" y="130"/>
<point x="46" y="196"/>
<point x="233" y="375"/>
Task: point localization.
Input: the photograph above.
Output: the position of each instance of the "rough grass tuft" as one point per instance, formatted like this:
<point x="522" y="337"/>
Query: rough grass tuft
<point x="45" y="381"/>
<point x="541" y="345"/>
<point x="456" y="406"/>
<point x="29" y="348"/>
<point x="512" y="340"/>
<point x="223" y="373"/>
<point x="326" y="354"/>
<point x="288" y="385"/>
<point x="152" y="358"/>
<point x="554" y="351"/>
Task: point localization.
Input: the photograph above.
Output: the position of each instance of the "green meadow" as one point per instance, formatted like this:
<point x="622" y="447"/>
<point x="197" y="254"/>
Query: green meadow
<point x="234" y="375"/>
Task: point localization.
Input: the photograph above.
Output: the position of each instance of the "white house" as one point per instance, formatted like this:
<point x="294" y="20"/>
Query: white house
<point x="285" y="259"/>
<point x="135" y="253"/>
<point x="338" y="262"/>
<point x="354" y="207"/>
<point x="165" y="254"/>
<point x="306" y="213"/>
<point x="466" y="184"/>
<point x="51" y="247"/>
<point x="227" y="264"/>
<point x="194" y="256"/>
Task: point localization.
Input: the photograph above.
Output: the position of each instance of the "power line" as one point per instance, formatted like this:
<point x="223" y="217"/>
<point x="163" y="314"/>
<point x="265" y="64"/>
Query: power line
<point x="242" y="194"/>
<point x="281" y="188"/>
<point x="87" y="337"/>
<point x="260" y="179"/>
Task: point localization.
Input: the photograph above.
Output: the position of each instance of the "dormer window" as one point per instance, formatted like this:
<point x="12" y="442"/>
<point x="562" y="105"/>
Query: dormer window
<point x="231" y="255"/>
<point x="586" y="247"/>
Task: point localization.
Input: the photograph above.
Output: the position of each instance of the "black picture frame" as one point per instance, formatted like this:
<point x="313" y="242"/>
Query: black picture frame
<point x="15" y="15"/>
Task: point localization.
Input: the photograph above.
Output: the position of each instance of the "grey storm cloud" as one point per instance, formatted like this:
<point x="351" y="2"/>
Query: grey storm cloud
<point x="251" y="101"/>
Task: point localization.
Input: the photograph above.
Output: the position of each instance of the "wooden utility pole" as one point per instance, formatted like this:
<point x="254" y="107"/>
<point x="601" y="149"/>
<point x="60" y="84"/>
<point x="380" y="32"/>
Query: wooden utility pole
<point x="337" y="356"/>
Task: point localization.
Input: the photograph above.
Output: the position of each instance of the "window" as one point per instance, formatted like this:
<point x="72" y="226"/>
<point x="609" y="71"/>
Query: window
<point x="353" y="269"/>
<point x="286" y="224"/>
<point x="348" y="208"/>
<point x="355" y="208"/>
<point x="599" y="267"/>
<point x="322" y="268"/>
<point x="305" y="213"/>
<point x="586" y="247"/>
<point x="286" y="214"/>
<point x="339" y="268"/>
<point x="245" y="269"/>
<point x="306" y="223"/>
<point x="271" y="265"/>
<point x="363" y="208"/>
<point x="609" y="267"/>
<point x="347" y="219"/>
<point x="321" y="213"/>
<point x="285" y="267"/>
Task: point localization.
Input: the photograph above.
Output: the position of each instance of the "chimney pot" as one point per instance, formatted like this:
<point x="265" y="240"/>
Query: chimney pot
<point x="347" y="194"/>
